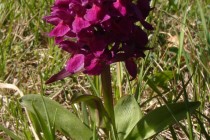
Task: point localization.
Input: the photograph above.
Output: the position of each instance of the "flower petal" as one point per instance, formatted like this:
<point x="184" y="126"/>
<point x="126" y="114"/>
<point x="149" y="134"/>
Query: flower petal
<point x="144" y="6"/>
<point x="75" y="64"/>
<point x="92" y="14"/>
<point x="79" y="23"/>
<point x="93" y="66"/>
<point x="141" y="18"/>
<point x="97" y="46"/>
<point x="131" y="67"/>
<point x="68" y="46"/>
<point x="140" y="37"/>
<point x="52" y="19"/>
<point x="122" y="9"/>
<point x="58" y="39"/>
<point x="59" y="76"/>
<point x="60" y="30"/>
<point x="62" y="2"/>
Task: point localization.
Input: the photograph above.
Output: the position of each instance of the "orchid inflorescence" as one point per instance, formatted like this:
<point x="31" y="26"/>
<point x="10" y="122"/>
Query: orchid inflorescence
<point x="98" y="33"/>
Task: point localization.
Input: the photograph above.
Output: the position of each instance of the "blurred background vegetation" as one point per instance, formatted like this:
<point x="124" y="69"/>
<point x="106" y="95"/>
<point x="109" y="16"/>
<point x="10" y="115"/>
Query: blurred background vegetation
<point x="177" y="68"/>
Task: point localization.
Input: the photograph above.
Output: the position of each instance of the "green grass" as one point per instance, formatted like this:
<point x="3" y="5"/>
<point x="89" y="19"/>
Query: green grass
<point x="176" y="69"/>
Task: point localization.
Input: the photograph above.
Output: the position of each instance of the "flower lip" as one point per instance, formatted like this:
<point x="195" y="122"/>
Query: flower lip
<point x="75" y="63"/>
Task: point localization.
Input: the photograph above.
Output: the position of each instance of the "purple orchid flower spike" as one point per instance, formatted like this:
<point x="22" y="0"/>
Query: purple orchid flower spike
<point x="98" y="33"/>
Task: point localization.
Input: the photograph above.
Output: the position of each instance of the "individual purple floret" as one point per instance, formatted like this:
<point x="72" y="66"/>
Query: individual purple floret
<point x="98" y="33"/>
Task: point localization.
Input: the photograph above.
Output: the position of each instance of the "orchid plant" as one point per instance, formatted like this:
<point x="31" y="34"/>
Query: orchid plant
<point x="97" y="33"/>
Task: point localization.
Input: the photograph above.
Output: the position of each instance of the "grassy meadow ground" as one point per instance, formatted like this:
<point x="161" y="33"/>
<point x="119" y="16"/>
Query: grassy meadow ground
<point x="177" y="66"/>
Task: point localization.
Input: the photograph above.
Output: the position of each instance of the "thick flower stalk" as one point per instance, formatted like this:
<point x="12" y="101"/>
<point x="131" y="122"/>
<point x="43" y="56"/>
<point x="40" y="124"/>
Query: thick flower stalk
<point x="98" y="33"/>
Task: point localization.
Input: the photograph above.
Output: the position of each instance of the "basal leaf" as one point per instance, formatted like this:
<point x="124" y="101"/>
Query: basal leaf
<point x="46" y="128"/>
<point x="63" y="119"/>
<point x="96" y="108"/>
<point x="127" y="115"/>
<point x="160" y="118"/>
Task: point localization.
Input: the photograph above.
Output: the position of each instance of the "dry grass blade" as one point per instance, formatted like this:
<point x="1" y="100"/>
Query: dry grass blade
<point x="14" y="87"/>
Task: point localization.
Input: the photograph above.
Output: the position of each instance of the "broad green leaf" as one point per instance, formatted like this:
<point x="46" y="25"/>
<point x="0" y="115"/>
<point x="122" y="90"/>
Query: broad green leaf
<point x="96" y="108"/>
<point x="48" y="131"/>
<point x="127" y="115"/>
<point x="160" y="118"/>
<point x="64" y="120"/>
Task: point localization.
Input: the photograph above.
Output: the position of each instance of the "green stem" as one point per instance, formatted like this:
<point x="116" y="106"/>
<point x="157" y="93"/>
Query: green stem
<point x="107" y="91"/>
<point x="108" y="95"/>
